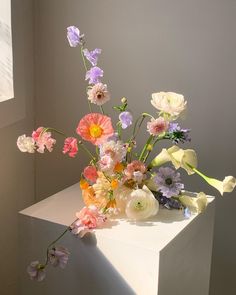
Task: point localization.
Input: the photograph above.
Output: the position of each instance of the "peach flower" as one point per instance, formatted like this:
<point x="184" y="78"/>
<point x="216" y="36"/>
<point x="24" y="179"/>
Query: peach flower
<point x="98" y="94"/>
<point x="89" y="218"/>
<point x="95" y="127"/>
<point x="70" y="146"/>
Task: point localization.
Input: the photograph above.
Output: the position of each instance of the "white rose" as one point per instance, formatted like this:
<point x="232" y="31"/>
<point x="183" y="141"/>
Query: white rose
<point x="142" y="204"/>
<point x="26" y="144"/>
<point x="169" y="102"/>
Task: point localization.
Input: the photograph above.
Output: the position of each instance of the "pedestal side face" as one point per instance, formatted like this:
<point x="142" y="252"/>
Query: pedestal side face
<point x="186" y="261"/>
<point x="88" y="270"/>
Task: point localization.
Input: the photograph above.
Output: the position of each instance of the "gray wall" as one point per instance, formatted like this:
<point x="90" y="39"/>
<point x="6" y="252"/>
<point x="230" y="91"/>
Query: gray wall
<point x="16" y="169"/>
<point x="186" y="46"/>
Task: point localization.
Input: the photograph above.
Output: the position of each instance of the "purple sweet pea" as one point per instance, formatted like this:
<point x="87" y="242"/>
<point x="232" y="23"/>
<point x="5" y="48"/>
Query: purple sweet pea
<point x="74" y="37"/>
<point x="126" y="119"/>
<point x="92" y="56"/>
<point x="167" y="181"/>
<point x="59" y="256"/>
<point x="94" y="75"/>
<point x="36" y="271"/>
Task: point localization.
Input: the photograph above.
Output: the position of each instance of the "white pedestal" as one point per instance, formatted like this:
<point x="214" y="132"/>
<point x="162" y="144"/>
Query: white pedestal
<point x="168" y="255"/>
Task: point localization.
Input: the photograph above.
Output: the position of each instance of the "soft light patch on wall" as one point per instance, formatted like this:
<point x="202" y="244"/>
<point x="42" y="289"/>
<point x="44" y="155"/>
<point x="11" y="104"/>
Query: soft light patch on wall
<point x="6" y="59"/>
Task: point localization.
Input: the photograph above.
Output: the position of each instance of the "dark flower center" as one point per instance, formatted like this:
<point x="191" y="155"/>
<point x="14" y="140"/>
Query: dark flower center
<point x="99" y="95"/>
<point x="168" y="181"/>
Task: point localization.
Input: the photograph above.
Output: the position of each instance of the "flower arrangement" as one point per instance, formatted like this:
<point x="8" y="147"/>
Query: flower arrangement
<point x="119" y="180"/>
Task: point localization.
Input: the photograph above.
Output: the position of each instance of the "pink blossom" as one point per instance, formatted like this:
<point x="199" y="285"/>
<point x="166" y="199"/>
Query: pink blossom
<point x="98" y="94"/>
<point x="43" y="140"/>
<point x="90" y="172"/>
<point x="106" y="163"/>
<point x="70" y="146"/>
<point x="89" y="218"/>
<point x="157" y="126"/>
<point x="134" y="170"/>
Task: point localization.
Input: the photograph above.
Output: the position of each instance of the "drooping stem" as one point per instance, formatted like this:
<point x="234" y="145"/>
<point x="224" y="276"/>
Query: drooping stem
<point x="86" y="150"/>
<point x="52" y="129"/>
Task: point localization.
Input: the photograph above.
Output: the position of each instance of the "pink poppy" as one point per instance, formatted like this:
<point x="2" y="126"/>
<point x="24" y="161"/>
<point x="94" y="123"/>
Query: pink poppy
<point x="95" y="127"/>
<point x="70" y="146"/>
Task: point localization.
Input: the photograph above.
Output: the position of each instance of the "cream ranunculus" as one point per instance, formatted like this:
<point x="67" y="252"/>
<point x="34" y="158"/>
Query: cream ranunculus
<point x="26" y="144"/>
<point x="169" y="102"/>
<point x="195" y="204"/>
<point x="142" y="204"/>
<point x="178" y="157"/>
<point x="122" y="195"/>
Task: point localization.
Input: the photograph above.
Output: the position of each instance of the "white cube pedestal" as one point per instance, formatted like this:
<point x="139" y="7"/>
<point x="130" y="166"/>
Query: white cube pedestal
<point x="168" y="255"/>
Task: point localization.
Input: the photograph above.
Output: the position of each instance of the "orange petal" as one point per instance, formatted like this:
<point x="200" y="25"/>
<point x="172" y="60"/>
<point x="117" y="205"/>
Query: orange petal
<point x="90" y="198"/>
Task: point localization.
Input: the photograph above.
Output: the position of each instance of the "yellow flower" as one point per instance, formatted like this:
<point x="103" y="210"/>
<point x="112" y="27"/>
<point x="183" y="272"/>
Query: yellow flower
<point x="114" y="183"/>
<point x="83" y="184"/>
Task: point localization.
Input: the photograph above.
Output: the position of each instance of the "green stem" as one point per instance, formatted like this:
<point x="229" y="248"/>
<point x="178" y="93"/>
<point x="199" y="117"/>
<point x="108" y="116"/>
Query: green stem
<point x="54" y="242"/>
<point x="86" y="69"/>
<point x="87" y="151"/>
<point x="84" y="61"/>
<point x="102" y="110"/>
<point x="52" y="129"/>
<point x="145" y="147"/>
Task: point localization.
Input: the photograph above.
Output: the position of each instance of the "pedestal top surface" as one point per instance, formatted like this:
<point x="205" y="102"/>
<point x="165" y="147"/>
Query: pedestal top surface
<point x="153" y="234"/>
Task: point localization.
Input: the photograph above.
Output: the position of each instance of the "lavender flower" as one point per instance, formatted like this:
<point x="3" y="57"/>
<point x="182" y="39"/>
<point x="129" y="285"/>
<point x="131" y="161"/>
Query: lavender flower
<point x="59" y="256"/>
<point x="167" y="181"/>
<point x="92" y="56"/>
<point x="178" y="134"/>
<point x="126" y="119"/>
<point x="36" y="271"/>
<point x="94" y="75"/>
<point x="74" y="37"/>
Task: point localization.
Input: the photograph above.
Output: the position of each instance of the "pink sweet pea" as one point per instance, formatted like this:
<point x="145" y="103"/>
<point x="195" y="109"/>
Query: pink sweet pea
<point x="70" y="146"/>
<point x="88" y="219"/>
<point x="43" y="140"/>
<point x="90" y="172"/>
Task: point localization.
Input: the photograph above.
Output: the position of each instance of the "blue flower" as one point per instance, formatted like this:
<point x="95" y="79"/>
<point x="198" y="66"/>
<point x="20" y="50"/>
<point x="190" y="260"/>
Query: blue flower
<point x="167" y="181"/>
<point x="178" y="134"/>
<point x="126" y="119"/>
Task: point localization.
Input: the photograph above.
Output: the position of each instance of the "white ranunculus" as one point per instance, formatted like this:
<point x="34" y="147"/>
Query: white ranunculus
<point x="178" y="157"/>
<point x="26" y="144"/>
<point x="169" y="102"/>
<point x="142" y="204"/>
<point x="122" y="195"/>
